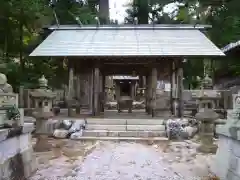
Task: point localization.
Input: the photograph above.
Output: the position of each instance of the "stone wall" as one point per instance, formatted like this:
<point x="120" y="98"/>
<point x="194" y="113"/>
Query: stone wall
<point x="16" y="154"/>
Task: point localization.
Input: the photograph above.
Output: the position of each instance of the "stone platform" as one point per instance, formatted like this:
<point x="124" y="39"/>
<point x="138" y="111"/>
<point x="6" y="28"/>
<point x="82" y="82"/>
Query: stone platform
<point x="113" y="129"/>
<point x="124" y="129"/>
<point x="16" y="153"/>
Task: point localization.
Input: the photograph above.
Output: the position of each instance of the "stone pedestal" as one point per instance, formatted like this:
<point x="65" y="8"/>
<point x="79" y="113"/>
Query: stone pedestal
<point x="17" y="160"/>
<point x="207" y="118"/>
<point x="42" y="143"/>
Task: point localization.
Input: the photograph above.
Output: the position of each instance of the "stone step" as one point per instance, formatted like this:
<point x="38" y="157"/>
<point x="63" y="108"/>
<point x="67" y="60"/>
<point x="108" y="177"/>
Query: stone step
<point x="125" y="127"/>
<point x="105" y="133"/>
<point x="106" y="127"/>
<point x="145" y="122"/>
<point x="145" y="128"/>
<point x="125" y="121"/>
<point x="161" y="139"/>
<point x="106" y="121"/>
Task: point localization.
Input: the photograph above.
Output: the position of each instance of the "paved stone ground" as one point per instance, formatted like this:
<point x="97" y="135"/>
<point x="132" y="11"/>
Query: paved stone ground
<point x="130" y="161"/>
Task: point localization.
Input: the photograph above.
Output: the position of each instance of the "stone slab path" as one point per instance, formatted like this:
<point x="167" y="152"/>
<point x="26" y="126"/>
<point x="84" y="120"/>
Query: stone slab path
<point x="131" y="161"/>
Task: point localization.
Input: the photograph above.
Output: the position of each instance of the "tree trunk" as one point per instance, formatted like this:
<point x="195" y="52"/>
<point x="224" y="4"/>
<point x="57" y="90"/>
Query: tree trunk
<point x="142" y="11"/>
<point x="5" y="52"/>
<point x="22" y="63"/>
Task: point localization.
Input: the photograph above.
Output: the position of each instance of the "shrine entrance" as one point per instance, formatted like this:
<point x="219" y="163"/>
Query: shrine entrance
<point x="125" y="88"/>
<point x="151" y="52"/>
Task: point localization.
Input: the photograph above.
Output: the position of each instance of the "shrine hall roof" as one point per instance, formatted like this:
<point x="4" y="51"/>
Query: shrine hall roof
<point x="231" y="46"/>
<point x="127" y="40"/>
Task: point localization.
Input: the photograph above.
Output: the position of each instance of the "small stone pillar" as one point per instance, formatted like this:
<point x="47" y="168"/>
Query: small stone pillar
<point x="43" y="98"/>
<point x="21" y="96"/>
<point x="207" y="118"/>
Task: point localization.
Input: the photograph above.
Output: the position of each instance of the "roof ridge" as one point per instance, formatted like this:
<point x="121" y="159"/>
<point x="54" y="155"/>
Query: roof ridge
<point x="128" y="27"/>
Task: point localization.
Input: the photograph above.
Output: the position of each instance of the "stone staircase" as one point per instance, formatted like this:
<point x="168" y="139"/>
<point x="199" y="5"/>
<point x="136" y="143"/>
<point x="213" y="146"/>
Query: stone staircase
<point x="120" y="129"/>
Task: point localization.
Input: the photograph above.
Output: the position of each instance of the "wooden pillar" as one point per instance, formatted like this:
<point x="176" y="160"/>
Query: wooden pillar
<point x="140" y="84"/>
<point x="132" y="90"/>
<point x="174" y="89"/>
<point x="70" y="89"/>
<point x="78" y="93"/>
<point x="146" y="94"/>
<point x="180" y="90"/>
<point x="91" y="90"/>
<point x="78" y="86"/>
<point x="171" y="86"/>
<point x="117" y="91"/>
<point x="149" y="93"/>
<point x="103" y="93"/>
<point x="104" y="11"/>
<point x="96" y="91"/>
<point x="154" y="91"/>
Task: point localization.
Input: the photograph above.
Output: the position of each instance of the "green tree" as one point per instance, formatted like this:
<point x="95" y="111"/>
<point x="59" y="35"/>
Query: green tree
<point x="21" y="24"/>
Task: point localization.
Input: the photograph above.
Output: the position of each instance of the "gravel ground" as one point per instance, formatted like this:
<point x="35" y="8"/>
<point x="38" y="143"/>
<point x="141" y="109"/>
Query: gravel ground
<point x="130" y="161"/>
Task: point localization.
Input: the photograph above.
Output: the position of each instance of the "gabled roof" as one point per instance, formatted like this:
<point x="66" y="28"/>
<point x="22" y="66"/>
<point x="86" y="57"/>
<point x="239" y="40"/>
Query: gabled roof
<point x="231" y="46"/>
<point x="139" y="40"/>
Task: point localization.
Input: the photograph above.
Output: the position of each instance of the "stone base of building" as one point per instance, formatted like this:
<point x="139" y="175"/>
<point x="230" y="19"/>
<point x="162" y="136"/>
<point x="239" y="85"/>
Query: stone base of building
<point x="16" y="154"/>
<point x="227" y="162"/>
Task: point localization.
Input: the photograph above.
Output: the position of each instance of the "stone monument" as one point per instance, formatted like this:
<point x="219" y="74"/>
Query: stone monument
<point x="43" y="98"/>
<point x="10" y="115"/>
<point x="16" y="154"/>
<point x="206" y="116"/>
<point x="227" y="161"/>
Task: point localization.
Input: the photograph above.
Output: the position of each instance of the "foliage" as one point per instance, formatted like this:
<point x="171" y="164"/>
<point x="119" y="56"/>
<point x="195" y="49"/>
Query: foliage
<point x="21" y="24"/>
<point x="13" y="113"/>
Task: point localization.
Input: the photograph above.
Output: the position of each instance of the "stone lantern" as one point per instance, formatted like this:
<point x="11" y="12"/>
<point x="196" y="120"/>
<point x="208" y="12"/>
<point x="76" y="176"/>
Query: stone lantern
<point x="207" y="117"/>
<point x="207" y="82"/>
<point x="43" y="99"/>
